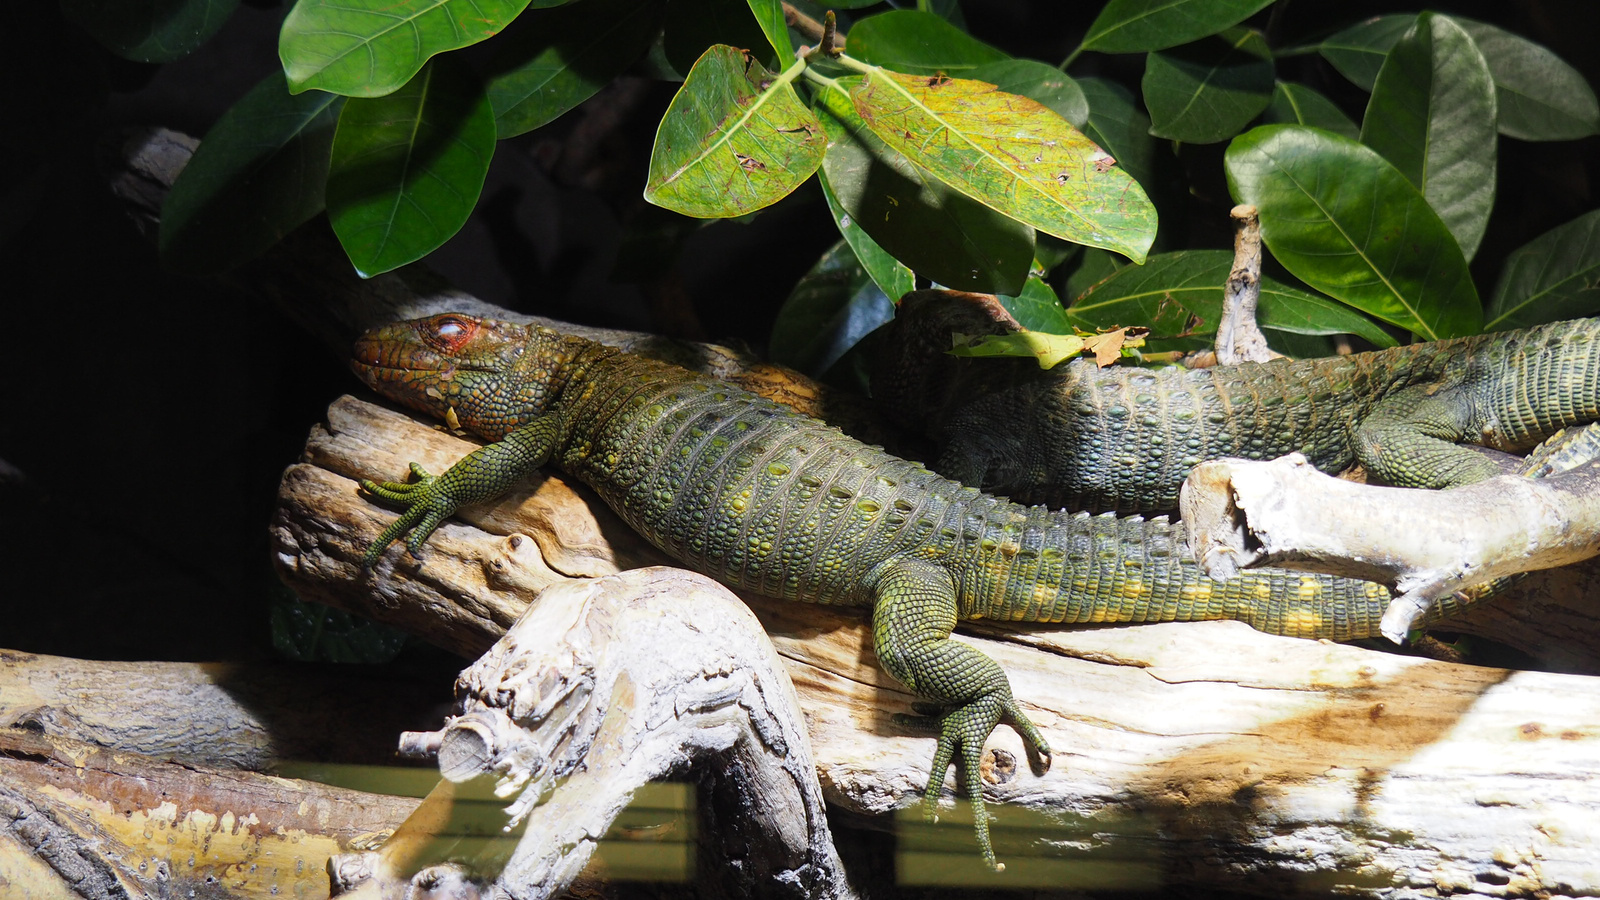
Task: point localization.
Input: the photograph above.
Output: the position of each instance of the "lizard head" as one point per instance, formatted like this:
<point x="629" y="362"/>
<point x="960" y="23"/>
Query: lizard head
<point x="474" y="373"/>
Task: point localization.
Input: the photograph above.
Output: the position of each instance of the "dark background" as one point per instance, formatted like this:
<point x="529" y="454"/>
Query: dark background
<point x="147" y="416"/>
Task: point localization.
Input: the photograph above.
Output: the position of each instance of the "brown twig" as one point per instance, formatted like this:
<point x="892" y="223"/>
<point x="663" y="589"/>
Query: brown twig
<point x="803" y="23"/>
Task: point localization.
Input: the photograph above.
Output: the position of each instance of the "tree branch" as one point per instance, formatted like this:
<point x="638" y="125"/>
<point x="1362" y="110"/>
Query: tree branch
<point x="1239" y="338"/>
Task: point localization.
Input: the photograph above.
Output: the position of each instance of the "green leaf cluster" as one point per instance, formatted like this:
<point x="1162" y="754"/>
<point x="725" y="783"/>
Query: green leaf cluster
<point x="1372" y="150"/>
<point x="413" y="132"/>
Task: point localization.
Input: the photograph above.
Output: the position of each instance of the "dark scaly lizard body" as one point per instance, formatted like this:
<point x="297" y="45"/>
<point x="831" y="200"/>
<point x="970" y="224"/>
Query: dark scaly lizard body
<point x="764" y="499"/>
<point x="1123" y="438"/>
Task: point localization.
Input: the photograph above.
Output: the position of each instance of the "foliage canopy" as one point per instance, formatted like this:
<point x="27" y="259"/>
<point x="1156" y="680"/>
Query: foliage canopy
<point x="943" y="159"/>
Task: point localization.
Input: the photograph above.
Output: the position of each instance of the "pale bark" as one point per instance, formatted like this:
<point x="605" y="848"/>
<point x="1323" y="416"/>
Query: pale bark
<point x="231" y="715"/>
<point x="1426" y="544"/>
<point x="1187" y="753"/>
<point x="607" y="684"/>
<point x="1239" y="338"/>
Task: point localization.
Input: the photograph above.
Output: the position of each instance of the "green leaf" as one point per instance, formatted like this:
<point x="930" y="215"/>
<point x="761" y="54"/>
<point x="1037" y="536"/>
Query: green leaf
<point x="1135" y="26"/>
<point x="1301" y="346"/>
<point x="1540" y="97"/>
<point x="1117" y="124"/>
<point x="553" y="60"/>
<point x="1012" y="154"/>
<point x="889" y="274"/>
<point x="830" y="310"/>
<point x="769" y="15"/>
<point x="908" y="40"/>
<point x="735" y="139"/>
<point x="1554" y="276"/>
<point x="1037" y="81"/>
<point x="1358" y="51"/>
<point x="257" y="176"/>
<point x="368" y="48"/>
<point x="941" y="234"/>
<point x="1432" y="115"/>
<point x="1090" y="269"/>
<point x="1050" y="252"/>
<point x="1049" y="350"/>
<point x="1180" y="293"/>
<point x="949" y="10"/>
<point x="1296" y="104"/>
<point x="1349" y="224"/>
<point x="1207" y="91"/>
<point x="151" y="31"/>
<point x="1285" y="310"/>
<point x="1037" y="308"/>
<point x="407" y="168"/>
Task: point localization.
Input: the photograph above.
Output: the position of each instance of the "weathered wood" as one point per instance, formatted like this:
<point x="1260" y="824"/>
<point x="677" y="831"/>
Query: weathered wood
<point x="84" y="822"/>
<point x="231" y="715"/>
<point x="607" y="684"/>
<point x="1239" y="338"/>
<point x="1426" y="544"/>
<point x="1193" y="753"/>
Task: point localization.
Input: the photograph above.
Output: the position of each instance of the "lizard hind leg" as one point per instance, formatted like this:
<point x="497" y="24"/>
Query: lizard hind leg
<point x="1411" y="439"/>
<point x="913" y="615"/>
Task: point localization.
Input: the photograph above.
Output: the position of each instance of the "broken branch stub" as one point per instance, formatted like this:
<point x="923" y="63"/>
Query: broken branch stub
<point x="1239" y="337"/>
<point x="1427" y="544"/>
<point x="605" y="685"/>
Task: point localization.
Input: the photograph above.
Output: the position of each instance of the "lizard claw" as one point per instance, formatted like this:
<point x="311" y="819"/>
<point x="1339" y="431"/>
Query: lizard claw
<point x="425" y="504"/>
<point x="962" y="732"/>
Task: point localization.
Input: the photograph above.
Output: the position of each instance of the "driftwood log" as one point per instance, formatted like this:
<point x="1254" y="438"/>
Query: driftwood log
<point x="603" y="686"/>
<point x="1187" y="753"/>
<point x="81" y="821"/>
<point x="247" y="716"/>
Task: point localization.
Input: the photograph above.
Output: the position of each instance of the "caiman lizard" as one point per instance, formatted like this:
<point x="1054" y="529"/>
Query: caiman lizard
<point x="1124" y="438"/>
<point x="764" y="499"/>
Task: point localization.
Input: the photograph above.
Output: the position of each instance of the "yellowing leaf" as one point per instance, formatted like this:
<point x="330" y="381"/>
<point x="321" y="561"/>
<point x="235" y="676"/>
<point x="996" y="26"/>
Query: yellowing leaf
<point x="735" y="139"/>
<point x="1048" y="349"/>
<point x="1012" y="154"/>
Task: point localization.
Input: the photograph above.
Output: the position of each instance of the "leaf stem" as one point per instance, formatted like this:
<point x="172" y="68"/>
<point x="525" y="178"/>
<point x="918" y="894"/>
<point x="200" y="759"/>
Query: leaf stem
<point x="815" y="77"/>
<point x="1077" y="51"/>
<point x="844" y="59"/>
<point x="787" y="75"/>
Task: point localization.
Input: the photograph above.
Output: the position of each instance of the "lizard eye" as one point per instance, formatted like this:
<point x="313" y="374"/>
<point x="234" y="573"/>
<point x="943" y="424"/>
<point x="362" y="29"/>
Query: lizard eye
<point x="448" y="332"/>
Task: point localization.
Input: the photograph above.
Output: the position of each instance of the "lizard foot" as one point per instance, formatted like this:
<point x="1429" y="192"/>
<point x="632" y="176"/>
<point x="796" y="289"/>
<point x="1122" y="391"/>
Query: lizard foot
<point x="962" y="732"/>
<point x="425" y="504"/>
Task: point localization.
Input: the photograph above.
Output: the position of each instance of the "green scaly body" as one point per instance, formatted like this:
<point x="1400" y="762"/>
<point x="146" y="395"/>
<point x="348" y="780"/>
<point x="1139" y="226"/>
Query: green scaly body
<point x="764" y="499"/>
<point x="1123" y="438"/>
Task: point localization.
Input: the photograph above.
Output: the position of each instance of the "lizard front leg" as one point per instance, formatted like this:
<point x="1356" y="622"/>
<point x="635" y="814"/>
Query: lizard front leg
<point x="913" y="615"/>
<point x="486" y="472"/>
